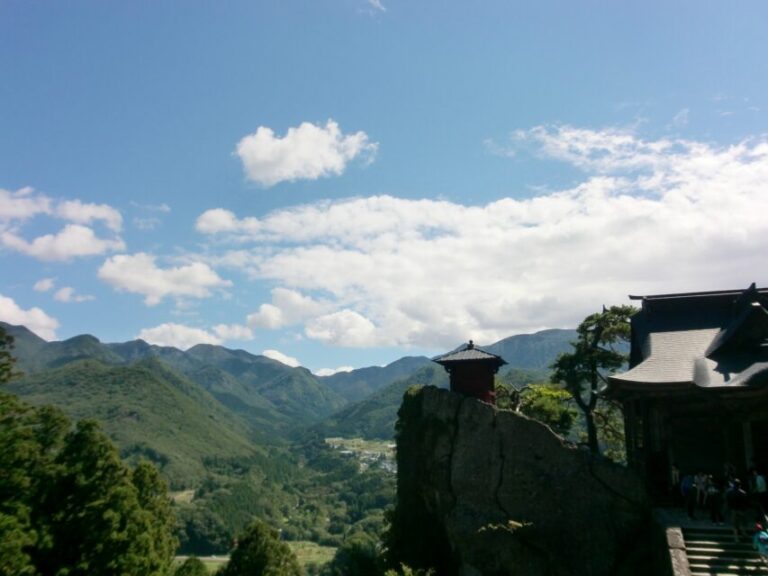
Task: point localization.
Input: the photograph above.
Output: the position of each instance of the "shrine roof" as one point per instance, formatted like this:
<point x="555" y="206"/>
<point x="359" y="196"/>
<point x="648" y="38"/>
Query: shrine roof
<point x="703" y="339"/>
<point x="469" y="353"/>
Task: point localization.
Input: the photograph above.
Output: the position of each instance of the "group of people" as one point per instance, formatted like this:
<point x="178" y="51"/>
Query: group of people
<point x="746" y="504"/>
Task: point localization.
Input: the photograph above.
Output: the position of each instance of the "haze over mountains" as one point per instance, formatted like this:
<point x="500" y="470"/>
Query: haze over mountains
<point x="180" y="408"/>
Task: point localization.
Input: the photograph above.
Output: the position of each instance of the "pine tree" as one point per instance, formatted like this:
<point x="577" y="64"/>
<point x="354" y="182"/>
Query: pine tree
<point x="260" y="551"/>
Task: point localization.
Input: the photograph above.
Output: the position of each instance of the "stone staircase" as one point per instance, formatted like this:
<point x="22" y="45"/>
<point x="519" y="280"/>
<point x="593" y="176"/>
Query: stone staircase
<point x="712" y="551"/>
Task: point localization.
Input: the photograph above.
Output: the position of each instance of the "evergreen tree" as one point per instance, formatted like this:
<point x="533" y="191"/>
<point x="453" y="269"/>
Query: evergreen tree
<point x="260" y="551"/>
<point x="192" y="566"/>
<point x="7" y="361"/>
<point x="583" y="371"/>
<point x="69" y="506"/>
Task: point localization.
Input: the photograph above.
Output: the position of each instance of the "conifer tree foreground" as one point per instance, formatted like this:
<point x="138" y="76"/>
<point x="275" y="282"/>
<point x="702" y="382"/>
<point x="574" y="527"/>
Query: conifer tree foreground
<point x="260" y="551"/>
<point x="68" y="504"/>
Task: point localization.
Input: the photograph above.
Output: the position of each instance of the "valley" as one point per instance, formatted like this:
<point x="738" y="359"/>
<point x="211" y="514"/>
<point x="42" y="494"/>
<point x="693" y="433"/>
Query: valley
<point x="239" y="436"/>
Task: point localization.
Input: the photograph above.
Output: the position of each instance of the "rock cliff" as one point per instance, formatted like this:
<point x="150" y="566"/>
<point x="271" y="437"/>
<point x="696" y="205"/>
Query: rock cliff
<point x="489" y="492"/>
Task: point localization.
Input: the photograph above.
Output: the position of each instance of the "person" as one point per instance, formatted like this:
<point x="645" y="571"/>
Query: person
<point x="674" y="481"/>
<point x="688" y="492"/>
<point x="701" y="489"/>
<point x="759" y="489"/>
<point x="738" y="502"/>
<point x="715" y="501"/>
<point x="760" y="542"/>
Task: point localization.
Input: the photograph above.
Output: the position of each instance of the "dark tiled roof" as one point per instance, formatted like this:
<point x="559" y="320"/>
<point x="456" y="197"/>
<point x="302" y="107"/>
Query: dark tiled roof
<point x="469" y="353"/>
<point x="706" y="339"/>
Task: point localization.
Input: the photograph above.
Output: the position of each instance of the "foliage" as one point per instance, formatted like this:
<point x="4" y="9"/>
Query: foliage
<point x="192" y="566"/>
<point x="595" y="354"/>
<point x="68" y="505"/>
<point x="357" y="556"/>
<point x="148" y="410"/>
<point x="260" y="551"/>
<point x="7" y="361"/>
<point x="549" y="404"/>
<point x="408" y="571"/>
<point x="375" y="417"/>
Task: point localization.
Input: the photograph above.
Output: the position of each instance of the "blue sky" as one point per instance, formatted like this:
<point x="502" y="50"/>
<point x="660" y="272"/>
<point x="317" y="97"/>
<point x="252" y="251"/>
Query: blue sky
<point x="343" y="182"/>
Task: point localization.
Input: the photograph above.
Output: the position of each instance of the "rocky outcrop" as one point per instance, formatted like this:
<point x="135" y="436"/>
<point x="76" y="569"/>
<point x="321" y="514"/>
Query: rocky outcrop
<point x="489" y="492"/>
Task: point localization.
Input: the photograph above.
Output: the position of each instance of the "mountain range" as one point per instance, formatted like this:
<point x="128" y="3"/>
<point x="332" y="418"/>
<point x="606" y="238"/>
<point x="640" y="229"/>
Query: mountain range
<point x="183" y="408"/>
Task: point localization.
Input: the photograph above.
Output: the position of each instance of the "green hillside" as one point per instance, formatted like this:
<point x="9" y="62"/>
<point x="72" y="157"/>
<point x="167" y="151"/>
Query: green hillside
<point x="148" y="410"/>
<point x="293" y="392"/>
<point x="375" y="417"/>
<point x="533" y="351"/>
<point x="357" y="385"/>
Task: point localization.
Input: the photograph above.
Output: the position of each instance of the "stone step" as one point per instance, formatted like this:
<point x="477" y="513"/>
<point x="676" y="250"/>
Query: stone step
<point x="720" y="549"/>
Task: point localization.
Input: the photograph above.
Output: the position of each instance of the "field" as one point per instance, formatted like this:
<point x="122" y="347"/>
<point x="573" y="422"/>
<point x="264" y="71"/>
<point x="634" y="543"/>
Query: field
<point x="306" y="552"/>
<point x="311" y="553"/>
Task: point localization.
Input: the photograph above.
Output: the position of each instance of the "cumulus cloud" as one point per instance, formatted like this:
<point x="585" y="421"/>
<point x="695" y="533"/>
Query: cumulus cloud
<point x="33" y="318"/>
<point x="22" y="204"/>
<point x="282" y="358"/>
<point x="332" y="371"/>
<point x="288" y="307"/>
<point x="84" y="213"/>
<point x="139" y="274"/>
<point x="178" y="336"/>
<point x="233" y="332"/>
<point x="306" y="152"/>
<point x="72" y="241"/>
<point x="648" y="216"/>
<point x="67" y="294"/>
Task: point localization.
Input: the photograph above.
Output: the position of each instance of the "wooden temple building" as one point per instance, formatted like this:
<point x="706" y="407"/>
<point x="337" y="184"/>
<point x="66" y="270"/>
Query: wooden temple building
<point x="472" y="371"/>
<point x="696" y="392"/>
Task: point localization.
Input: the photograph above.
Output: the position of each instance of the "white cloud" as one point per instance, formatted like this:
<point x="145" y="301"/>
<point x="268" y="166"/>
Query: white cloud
<point x="343" y="328"/>
<point x="67" y="294"/>
<point x="282" y="358"/>
<point x="139" y="274"/>
<point x="288" y="307"/>
<point x="377" y="5"/>
<point x="648" y="216"/>
<point x="72" y="241"/>
<point x="34" y="318"/>
<point x="306" y="152"/>
<point x="22" y="204"/>
<point x="233" y="332"/>
<point x="332" y="371"/>
<point x="681" y="118"/>
<point x="84" y="213"/>
<point x="178" y="336"/>
<point x="44" y="285"/>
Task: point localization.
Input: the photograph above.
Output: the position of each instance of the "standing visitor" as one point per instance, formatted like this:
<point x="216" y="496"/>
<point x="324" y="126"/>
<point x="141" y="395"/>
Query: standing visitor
<point x="738" y="501"/>
<point x="759" y="488"/>
<point x="715" y="500"/>
<point x="760" y="542"/>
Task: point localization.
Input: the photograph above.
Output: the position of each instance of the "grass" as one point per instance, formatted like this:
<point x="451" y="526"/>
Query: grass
<point x="212" y="563"/>
<point x="311" y="553"/>
<point x="306" y="552"/>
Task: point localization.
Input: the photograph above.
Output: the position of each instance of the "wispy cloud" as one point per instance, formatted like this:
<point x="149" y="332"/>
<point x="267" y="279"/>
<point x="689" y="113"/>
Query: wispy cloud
<point x="306" y="152"/>
<point x="67" y="294"/>
<point x="649" y="215"/>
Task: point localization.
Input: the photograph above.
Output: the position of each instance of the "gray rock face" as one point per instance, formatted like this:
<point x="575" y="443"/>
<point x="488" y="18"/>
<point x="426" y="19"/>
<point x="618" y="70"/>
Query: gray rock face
<point x="498" y="493"/>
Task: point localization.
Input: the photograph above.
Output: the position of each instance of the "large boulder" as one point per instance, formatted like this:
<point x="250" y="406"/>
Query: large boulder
<point x="484" y="491"/>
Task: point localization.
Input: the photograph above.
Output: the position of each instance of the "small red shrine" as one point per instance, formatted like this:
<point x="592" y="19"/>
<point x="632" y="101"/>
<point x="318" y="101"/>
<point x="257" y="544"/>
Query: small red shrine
<point x="472" y="371"/>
